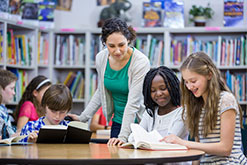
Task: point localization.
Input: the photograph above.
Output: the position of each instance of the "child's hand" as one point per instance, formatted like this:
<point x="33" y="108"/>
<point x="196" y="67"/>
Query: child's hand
<point x="74" y="117"/>
<point x="114" y="142"/>
<point x="172" y="139"/>
<point x="32" y="137"/>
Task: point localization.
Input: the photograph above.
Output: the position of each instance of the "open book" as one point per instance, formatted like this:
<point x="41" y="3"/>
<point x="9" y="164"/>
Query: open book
<point x="149" y="140"/>
<point x="13" y="141"/>
<point x="76" y="132"/>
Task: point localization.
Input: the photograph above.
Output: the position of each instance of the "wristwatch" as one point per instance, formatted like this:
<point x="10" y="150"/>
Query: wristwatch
<point x="106" y="127"/>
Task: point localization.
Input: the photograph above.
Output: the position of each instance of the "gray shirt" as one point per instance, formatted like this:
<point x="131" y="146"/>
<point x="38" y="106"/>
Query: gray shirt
<point x="138" y="68"/>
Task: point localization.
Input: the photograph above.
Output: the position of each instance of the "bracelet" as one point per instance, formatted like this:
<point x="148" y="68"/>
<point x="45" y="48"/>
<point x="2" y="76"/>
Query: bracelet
<point x="106" y="127"/>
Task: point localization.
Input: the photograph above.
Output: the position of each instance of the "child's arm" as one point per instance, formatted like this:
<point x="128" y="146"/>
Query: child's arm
<point x="32" y="137"/>
<point x="22" y="121"/>
<point x="222" y="148"/>
<point x="94" y="125"/>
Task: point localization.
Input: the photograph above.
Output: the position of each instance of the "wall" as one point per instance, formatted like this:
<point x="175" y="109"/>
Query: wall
<point x="85" y="13"/>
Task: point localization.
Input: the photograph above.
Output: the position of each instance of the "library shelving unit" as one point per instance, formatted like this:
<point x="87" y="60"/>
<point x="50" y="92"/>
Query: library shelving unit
<point x="64" y="53"/>
<point x="164" y="46"/>
<point x="44" y="52"/>
<point x="25" y="50"/>
<point x="19" y="52"/>
<point x="226" y="46"/>
<point x="69" y="62"/>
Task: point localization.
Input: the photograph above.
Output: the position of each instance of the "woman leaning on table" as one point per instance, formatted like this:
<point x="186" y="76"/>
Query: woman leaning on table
<point x="121" y="70"/>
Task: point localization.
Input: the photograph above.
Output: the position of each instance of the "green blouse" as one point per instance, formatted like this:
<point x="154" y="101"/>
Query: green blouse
<point x="117" y="83"/>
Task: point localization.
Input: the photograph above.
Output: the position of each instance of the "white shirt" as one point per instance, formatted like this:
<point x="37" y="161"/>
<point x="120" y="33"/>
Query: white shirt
<point x="167" y="124"/>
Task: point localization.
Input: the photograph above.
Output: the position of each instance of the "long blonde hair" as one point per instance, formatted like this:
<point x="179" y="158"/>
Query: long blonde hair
<point x="201" y="63"/>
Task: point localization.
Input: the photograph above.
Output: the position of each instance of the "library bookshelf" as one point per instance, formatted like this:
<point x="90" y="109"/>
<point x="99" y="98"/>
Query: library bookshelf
<point x="60" y="53"/>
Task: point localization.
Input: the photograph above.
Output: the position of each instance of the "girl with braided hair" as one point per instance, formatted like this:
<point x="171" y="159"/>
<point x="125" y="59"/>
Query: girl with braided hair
<point x="162" y="101"/>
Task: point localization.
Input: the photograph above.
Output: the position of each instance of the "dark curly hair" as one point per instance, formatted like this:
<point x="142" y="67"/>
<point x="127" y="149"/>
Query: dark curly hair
<point x="172" y="84"/>
<point x="113" y="25"/>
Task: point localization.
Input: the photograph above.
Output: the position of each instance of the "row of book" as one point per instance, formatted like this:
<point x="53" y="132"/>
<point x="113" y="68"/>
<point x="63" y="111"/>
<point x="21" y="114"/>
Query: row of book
<point x="1" y="46"/>
<point x="96" y="46"/>
<point x="70" y="50"/>
<point x="223" y="51"/>
<point x="43" y="49"/>
<point x="233" y="51"/>
<point x="237" y="82"/>
<point x="153" y="48"/>
<point x="21" y="83"/>
<point x="75" y="82"/>
<point x="93" y="83"/>
<point x="19" y="48"/>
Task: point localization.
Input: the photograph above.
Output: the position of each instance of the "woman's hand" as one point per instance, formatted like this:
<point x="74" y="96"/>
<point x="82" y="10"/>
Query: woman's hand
<point x="74" y="117"/>
<point x="172" y="139"/>
<point x="32" y="137"/>
<point x="114" y="142"/>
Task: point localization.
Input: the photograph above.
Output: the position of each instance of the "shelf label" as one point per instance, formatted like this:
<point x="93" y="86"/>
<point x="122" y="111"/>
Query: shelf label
<point x="19" y="22"/>
<point x="212" y="28"/>
<point x="67" y="30"/>
<point x="42" y="28"/>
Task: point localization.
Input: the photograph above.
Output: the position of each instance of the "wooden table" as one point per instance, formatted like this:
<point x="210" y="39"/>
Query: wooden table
<point x="89" y="154"/>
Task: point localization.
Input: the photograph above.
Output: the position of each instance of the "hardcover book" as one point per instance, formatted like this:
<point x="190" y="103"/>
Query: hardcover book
<point x="149" y="140"/>
<point x="173" y="14"/>
<point x="233" y="13"/>
<point x="76" y="132"/>
<point x="4" y="5"/>
<point x="46" y="14"/>
<point x="15" y="10"/>
<point x="13" y="141"/>
<point x="29" y="12"/>
<point x="152" y="13"/>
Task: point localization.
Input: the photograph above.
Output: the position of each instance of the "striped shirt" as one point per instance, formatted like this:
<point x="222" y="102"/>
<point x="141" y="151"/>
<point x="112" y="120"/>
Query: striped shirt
<point x="227" y="101"/>
<point x="35" y="126"/>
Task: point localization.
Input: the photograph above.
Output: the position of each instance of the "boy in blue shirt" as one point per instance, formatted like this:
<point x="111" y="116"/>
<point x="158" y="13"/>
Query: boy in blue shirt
<point x="57" y="102"/>
<point x="7" y="84"/>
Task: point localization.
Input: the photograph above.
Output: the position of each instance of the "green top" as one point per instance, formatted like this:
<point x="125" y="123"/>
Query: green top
<point x="117" y="83"/>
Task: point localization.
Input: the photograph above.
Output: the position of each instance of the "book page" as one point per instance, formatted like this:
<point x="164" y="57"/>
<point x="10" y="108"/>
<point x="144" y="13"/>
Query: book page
<point x="62" y="127"/>
<point x="78" y="124"/>
<point x="12" y="139"/>
<point x="18" y="138"/>
<point x="6" y="141"/>
<point x="151" y="140"/>
<point x="140" y="134"/>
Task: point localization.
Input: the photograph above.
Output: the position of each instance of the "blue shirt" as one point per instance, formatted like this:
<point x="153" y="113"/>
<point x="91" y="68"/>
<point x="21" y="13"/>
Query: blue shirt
<point x="35" y="126"/>
<point x="6" y="128"/>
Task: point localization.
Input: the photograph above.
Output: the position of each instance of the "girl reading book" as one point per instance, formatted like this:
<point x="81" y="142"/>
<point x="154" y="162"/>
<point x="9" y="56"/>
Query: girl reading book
<point x="212" y="113"/>
<point x="162" y="101"/>
<point x="57" y="102"/>
<point x="29" y="108"/>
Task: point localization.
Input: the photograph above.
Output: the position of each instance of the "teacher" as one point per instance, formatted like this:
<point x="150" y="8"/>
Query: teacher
<point x="121" y="70"/>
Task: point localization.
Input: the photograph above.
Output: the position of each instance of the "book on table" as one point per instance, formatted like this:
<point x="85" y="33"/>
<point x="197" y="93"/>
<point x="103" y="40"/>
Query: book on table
<point x="75" y="132"/>
<point x="13" y="141"/>
<point x="149" y="140"/>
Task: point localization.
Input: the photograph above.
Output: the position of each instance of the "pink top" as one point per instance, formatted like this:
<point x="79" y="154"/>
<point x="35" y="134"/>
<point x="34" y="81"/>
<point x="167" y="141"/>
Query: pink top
<point x="102" y="120"/>
<point x="28" y="109"/>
